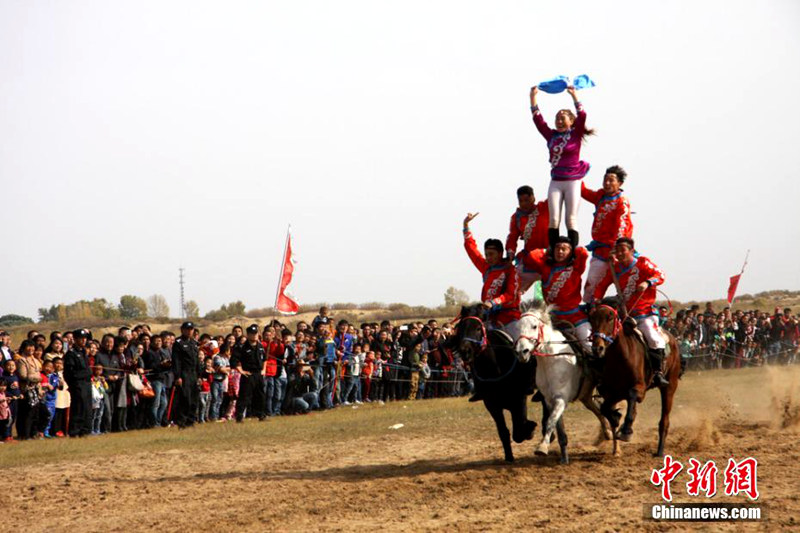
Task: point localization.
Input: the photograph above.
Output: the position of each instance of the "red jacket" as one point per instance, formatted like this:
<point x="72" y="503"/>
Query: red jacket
<point x="530" y="227"/>
<point x="275" y="351"/>
<point x="612" y="220"/>
<point x="500" y="284"/>
<point x="639" y="304"/>
<point x="561" y="284"/>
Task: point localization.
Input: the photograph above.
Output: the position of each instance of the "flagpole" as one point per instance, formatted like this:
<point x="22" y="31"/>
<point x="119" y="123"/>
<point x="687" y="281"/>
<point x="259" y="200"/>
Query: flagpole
<point x="280" y="273"/>
<point x="746" y="257"/>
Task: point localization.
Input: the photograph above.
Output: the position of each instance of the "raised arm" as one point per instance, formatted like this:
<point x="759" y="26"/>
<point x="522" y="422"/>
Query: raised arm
<point x="538" y="119"/>
<point x="513" y="237"/>
<point x="580" y="120"/>
<point x="472" y="248"/>
<point x="589" y="195"/>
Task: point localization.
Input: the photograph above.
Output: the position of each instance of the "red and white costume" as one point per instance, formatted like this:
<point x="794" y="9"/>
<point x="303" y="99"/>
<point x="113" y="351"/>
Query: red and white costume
<point x="561" y="286"/>
<point x="531" y="227"/>
<point x="640" y="305"/>
<point x="612" y="220"/>
<point x="500" y="284"/>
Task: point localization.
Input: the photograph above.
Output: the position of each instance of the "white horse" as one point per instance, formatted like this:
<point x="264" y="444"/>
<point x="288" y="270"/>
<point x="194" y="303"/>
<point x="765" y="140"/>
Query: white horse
<point x="558" y="377"/>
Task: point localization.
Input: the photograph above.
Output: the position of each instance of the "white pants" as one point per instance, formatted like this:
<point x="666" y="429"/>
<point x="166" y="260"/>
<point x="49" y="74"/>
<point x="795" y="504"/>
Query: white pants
<point x="584" y="334"/>
<point x="564" y="193"/>
<point x="649" y="327"/>
<point x="597" y="269"/>
<point x="526" y="279"/>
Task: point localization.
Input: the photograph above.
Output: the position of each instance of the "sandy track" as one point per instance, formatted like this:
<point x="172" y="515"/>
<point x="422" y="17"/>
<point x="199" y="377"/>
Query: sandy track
<point x="411" y="480"/>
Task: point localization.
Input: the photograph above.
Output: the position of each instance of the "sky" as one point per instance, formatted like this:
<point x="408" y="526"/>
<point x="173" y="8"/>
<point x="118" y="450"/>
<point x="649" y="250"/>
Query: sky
<point x="139" y="137"/>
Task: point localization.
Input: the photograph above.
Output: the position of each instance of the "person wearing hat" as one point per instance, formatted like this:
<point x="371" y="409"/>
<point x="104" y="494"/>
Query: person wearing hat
<point x="638" y="278"/>
<point x="500" y="293"/>
<point x="248" y="359"/>
<point x="561" y="284"/>
<point x="186" y="368"/>
<point x="78" y="375"/>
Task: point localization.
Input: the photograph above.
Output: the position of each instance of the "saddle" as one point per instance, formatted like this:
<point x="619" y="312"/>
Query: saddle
<point x="591" y="365"/>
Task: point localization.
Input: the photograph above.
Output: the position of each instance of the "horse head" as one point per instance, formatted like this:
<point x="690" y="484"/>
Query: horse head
<point x="470" y="331"/>
<point x="606" y="325"/>
<point x="533" y="325"/>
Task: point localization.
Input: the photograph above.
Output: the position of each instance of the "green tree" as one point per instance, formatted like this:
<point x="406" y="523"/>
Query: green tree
<point x="191" y="309"/>
<point x="132" y="307"/>
<point x="14" y="320"/>
<point x="157" y="306"/>
<point x="453" y="296"/>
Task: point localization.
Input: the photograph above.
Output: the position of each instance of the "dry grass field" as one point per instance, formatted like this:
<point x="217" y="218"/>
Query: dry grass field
<point x="347" y="470"/>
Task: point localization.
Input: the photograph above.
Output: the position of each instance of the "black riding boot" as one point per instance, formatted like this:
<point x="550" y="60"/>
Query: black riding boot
<point x="552" y="237"/>
<point x="657" y="358"/>
<point x="573" y="237"/>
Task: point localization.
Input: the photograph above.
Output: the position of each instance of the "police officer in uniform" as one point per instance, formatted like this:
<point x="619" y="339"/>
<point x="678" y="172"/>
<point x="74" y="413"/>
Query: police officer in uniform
<point x="186" y="368"/>
<point x="78" y="375"/>
<point x="248" y="359"/>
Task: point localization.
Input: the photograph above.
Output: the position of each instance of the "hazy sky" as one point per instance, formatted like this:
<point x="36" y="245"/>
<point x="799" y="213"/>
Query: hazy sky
<point x="136" y="137"/>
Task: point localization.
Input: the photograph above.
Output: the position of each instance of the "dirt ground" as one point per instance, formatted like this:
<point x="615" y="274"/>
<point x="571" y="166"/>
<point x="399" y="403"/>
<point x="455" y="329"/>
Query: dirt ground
<point x="347" y="470"/>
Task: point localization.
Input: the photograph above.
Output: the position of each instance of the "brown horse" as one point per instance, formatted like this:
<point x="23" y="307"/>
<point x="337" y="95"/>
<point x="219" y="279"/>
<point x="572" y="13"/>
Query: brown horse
<point x="627" y="372"/>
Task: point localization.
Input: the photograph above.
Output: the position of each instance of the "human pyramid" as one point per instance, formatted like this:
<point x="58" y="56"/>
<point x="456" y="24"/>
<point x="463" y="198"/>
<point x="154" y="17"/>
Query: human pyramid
<point x="558" y="260"/>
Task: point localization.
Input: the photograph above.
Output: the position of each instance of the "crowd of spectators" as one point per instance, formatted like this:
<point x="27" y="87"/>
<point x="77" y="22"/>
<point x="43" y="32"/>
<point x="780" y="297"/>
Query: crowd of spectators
<point x="732" y="339"/>
<point x="317" y="366"/>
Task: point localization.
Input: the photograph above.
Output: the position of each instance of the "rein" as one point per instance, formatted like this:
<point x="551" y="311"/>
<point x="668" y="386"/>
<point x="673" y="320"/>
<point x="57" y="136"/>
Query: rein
<point x="539" y="340"/>
<point x="481" y="342"/>
<point x="617" y="326"/>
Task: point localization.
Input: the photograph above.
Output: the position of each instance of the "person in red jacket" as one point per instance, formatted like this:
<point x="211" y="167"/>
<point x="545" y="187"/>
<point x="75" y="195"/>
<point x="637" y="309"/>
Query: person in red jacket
<point x="561" y="284"/>
<point x="500" y="293"/>
<point x="638" y="278"/>
<point x="529" y="223"/>
<point x="273" y="369"/>
<point x="612" y="221"/>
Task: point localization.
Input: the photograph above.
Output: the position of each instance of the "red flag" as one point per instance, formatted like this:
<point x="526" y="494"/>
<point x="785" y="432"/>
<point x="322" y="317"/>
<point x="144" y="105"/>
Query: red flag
<point x="732" y="287"/>
<point x="284" y="303"/>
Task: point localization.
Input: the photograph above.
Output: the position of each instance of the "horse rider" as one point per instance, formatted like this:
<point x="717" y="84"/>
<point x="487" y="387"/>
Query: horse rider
<point x="561" y="274"/>
<point x="500" y="293"/>
<point x="528" y="223"/>
<point x="612" y="221"/>
<point x="638" y="278"/>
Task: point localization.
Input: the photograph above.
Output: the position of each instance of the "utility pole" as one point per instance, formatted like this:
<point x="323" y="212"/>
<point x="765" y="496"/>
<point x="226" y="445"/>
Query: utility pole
<point x="183" y="301"/>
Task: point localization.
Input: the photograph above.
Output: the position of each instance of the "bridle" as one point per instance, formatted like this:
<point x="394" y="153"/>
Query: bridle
<point x="481" y="342"/>
<point x="617" y="326"/>
<point x="538" y="340"/>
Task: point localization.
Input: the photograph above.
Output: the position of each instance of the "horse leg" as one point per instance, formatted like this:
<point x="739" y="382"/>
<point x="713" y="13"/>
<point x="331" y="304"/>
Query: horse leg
<point x="558" y="409"/>
<point x="502" y="430"/>
<point x="630" y="415"/>
<point x="562" y="441"/>
<point x="545" y="416"/>
<point x="612" y="414"/>
<point x="522" y="428"/>
<point x="667" y="394"/>
<point x="587" y="400"/>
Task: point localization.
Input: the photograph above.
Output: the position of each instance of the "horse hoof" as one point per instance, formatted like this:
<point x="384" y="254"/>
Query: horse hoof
<point x="608" y="435"/>
<point x="509" y="459"/>
<point x="565" y="460"/>
<point x="541" y="450"/>
<point x="624" y="437"/>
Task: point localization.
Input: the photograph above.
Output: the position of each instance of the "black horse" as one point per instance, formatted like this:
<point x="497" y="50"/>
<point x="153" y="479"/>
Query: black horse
<point x="502" y="381"/>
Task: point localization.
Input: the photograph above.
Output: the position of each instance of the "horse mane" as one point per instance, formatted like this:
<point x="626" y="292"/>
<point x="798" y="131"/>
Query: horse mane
<point x="539" y="307"/>
<point x="611" y="301"/>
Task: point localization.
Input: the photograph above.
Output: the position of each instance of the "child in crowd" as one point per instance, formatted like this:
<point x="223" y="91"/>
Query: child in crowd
<point x="366" y="376"/>
<point x="59" y="425"/>
<point x="424" y="375"/>
<point x="5" y="411"/>
<point x="50" y="384"/>
<point x="99" y="392"/>
<point x="234" y="378"/>
<point x="376" y="384"/>
<point x="13" y="394"/>
<point x="205" y="389"/>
